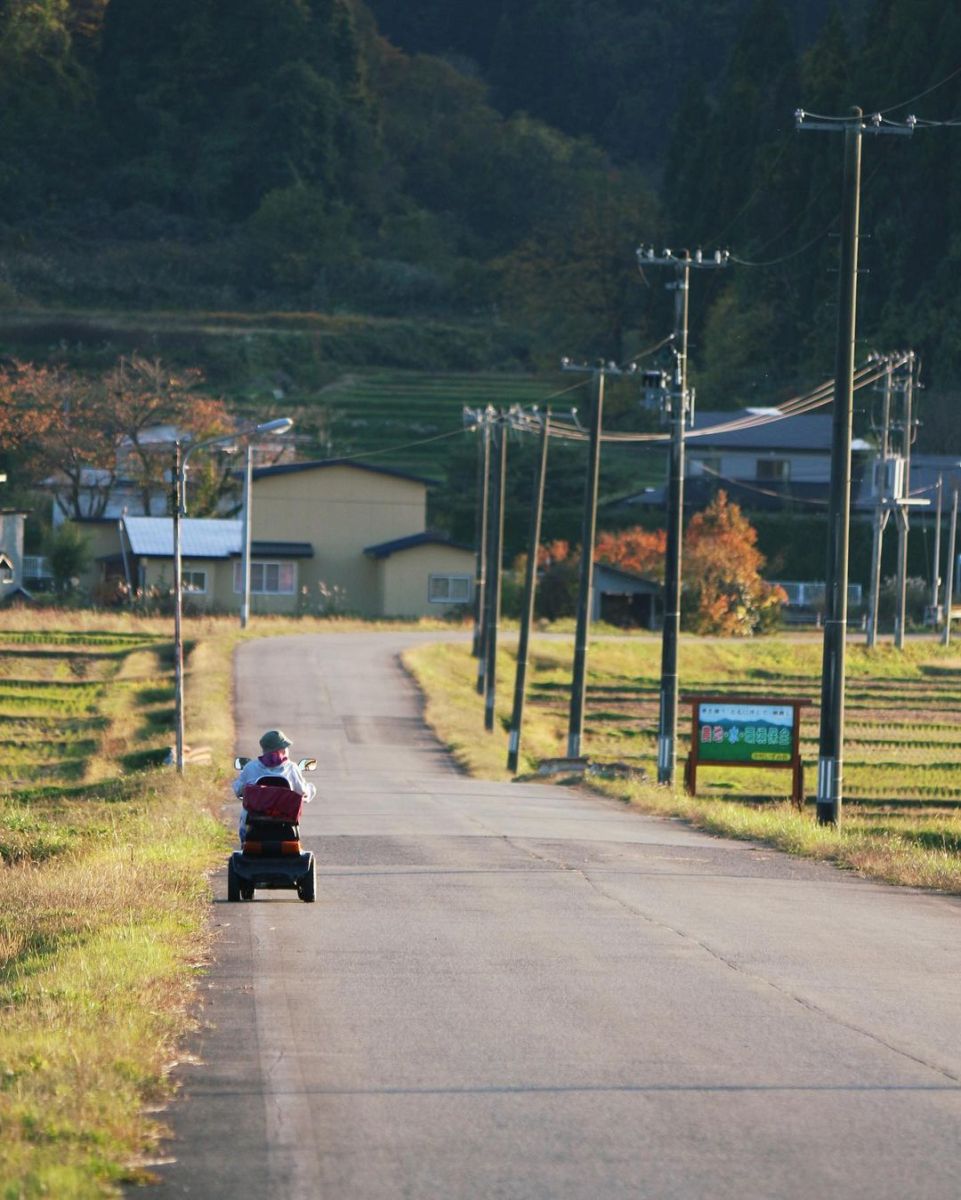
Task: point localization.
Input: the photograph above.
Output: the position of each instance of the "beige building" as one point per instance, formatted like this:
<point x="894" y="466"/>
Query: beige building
<point x="326" y="536"/>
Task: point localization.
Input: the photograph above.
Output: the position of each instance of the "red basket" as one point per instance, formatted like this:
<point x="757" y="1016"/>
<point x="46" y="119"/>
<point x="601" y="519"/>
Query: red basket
<point x="280" y="803"/>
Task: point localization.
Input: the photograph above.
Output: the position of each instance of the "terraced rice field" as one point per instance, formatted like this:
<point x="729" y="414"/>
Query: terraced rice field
<point x="413" y="420"/>
<point x="75" y="705"/>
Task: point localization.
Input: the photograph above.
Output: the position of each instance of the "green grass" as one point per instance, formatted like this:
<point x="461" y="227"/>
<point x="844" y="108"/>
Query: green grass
<point x="902" y="816"/>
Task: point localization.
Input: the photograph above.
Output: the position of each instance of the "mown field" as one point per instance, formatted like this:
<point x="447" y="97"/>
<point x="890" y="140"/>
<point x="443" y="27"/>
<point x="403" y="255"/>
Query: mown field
<point x="902" y="816"/>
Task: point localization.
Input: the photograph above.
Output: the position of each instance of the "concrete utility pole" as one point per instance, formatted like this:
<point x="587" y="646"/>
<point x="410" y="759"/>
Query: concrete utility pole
<point x="585" y="594"/>
<point x="830" y="788"/>
<point x="892" y="471"/>
<point x="494" y="572"/>
<point x="483" y="501"/>
<point x="906" y="389"/>
<point x="951" y="570"/>
<point x="178" y="509"/>
<point x="680" y="411"/>
<point x="881" y="508"/>
<point x="530" y="589"/>
<point x="936" y="571"/>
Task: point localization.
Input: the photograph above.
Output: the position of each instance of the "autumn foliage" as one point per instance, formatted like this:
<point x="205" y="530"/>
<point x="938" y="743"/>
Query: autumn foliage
<point x="84" y="432"/>
<point x="725" y="593"/>
<point x="638" y="550"/>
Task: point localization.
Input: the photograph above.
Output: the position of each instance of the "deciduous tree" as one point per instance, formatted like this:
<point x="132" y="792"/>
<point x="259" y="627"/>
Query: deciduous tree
<point x="725" y="592"/>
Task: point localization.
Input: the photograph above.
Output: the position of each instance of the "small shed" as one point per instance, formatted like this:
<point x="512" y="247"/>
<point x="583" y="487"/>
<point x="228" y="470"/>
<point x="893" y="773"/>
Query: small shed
<point x="423" y="575"/>
<point x="624" y="598"/>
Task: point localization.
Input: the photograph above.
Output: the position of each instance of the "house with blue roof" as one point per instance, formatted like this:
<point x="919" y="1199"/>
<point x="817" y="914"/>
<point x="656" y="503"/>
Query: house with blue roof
<point x="330" y="535"/>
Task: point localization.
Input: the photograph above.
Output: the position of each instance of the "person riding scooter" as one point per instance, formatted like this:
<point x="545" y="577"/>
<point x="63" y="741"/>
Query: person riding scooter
<point x="272" y="761"/>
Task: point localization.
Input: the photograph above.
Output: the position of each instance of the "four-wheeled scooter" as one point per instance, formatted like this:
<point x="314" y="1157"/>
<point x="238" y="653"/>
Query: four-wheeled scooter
<point x="272" y="856"/>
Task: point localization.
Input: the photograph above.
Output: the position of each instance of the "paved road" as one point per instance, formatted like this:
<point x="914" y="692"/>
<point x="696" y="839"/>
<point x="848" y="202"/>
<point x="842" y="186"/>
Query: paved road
<point x="521" y="991"/>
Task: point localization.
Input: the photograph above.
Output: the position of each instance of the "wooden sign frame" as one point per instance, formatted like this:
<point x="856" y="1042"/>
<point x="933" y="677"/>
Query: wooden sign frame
<point x="792" y="763"/>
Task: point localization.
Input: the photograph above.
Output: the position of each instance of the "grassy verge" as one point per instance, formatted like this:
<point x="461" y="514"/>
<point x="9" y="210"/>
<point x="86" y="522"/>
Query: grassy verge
<point x="903" y="824"/>
<point x="103" y="894"/>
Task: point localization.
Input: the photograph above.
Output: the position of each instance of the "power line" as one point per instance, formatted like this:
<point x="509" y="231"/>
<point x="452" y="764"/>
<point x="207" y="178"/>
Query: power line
<point x="927" y="92"/>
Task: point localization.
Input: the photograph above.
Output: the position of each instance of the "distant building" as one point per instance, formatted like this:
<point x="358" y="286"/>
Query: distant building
<point x="770" y="464"/>
<point x="11" y="553"/>
<point x="625" y="598"/>
<point x="329" y="535"/>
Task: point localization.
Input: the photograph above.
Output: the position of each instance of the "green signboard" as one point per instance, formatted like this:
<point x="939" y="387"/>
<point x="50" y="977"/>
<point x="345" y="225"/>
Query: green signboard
<point x="745" y="733"/>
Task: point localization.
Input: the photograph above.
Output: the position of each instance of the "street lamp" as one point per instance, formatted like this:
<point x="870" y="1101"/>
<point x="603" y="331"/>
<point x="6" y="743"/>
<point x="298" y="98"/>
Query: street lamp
<point x="181" y="457"/>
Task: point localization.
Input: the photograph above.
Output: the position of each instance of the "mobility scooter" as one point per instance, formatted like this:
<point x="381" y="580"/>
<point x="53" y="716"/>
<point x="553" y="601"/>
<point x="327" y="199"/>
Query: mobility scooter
<point x="272" y="856"/>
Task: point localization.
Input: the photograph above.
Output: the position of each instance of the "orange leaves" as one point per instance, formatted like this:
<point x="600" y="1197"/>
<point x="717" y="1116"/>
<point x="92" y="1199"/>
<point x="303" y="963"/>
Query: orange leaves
<point x="638" y="550"/>
<point x="722" y="573"/>
<point x="62" y="423"/>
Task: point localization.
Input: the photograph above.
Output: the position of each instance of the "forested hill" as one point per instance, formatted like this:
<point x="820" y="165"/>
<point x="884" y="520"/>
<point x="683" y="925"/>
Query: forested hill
<point x="488" y="164"/>
<point x="614" y="70"/>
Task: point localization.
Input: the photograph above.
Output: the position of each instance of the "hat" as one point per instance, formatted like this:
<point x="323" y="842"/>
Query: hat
<point x="274" y="739"/>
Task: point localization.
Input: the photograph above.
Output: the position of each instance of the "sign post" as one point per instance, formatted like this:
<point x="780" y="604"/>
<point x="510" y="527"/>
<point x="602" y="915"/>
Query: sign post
<point x="746" y="731"/>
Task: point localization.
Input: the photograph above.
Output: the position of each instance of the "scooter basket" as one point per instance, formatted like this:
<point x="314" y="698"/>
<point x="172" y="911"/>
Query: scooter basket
<point x="280" y="803"/>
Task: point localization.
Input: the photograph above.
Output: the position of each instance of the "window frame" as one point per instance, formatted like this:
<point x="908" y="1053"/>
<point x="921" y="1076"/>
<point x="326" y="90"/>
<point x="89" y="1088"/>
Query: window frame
<point x="264" y="564"/>
<point x="192" y="590"/>
<point x="450" y="577"/>
<point x="772" y="470"/>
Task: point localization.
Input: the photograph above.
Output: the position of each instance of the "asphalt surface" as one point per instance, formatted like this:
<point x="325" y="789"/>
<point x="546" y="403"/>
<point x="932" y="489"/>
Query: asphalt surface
<point x="518" y="990"/>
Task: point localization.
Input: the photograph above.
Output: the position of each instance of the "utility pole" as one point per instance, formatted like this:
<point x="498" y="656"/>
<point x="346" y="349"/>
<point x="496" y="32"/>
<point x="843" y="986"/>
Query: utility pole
<point x="906" y="389"/>
<point x="881" y="509"/>
<point x="530" y="588"/>
<point x="951" y="570"/>
<point x="830" y="787"/>
<point x="575" y="724"/>
<point x="680" y="411"/>
<point x="178" y="509"/>
<point x="494" y="571"/>
<point x="936" y="572"/>
<point x="481" y="419"/>
<point x="245" y="535"/>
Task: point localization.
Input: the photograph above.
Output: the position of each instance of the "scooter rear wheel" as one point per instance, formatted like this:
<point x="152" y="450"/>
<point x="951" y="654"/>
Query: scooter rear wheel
<point x="233" y="883"/>
<point x="307" y="888"/>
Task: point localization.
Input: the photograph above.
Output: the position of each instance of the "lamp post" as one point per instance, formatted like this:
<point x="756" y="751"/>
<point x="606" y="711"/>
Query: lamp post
<point x="181" y="458"/>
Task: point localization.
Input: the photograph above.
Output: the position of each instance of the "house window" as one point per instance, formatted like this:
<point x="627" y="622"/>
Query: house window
<point x="267" y="578"/>
<point x="774" y="470"/>
<point x="449" y="589"/>
<point x="194" y="582"/>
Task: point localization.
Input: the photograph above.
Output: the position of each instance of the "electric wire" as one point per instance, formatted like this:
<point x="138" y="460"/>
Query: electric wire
<point x="748" y="487"/>
<point x="764" y="183"/>
<point x="920" y="96"/>
<point x="773" y="262"/>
